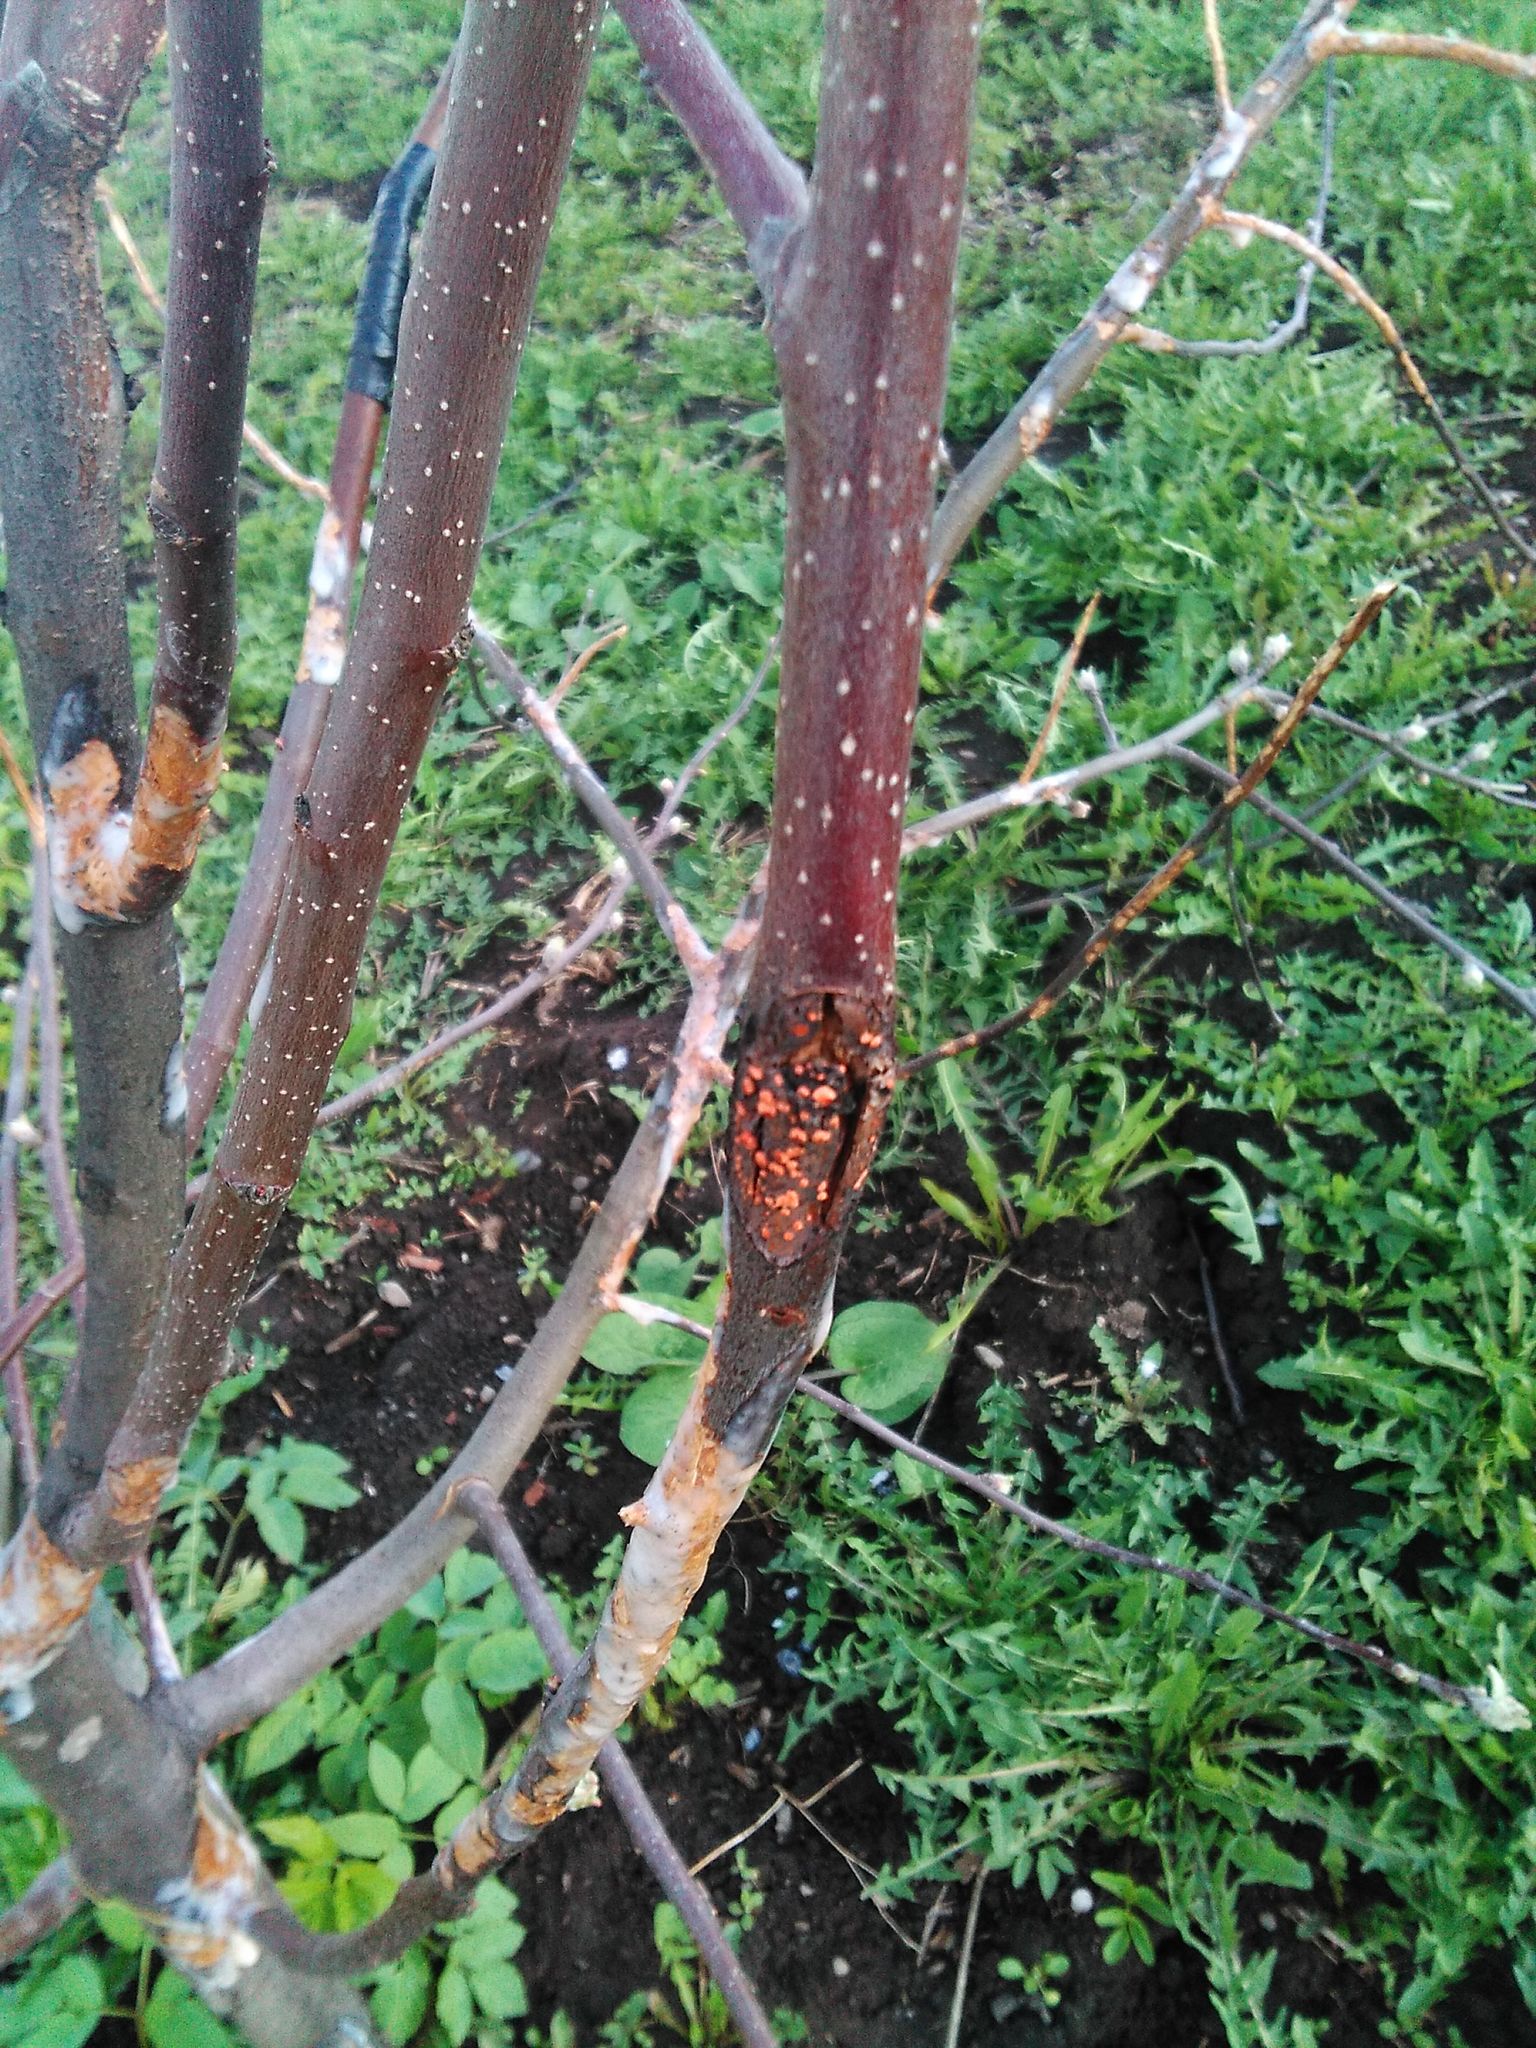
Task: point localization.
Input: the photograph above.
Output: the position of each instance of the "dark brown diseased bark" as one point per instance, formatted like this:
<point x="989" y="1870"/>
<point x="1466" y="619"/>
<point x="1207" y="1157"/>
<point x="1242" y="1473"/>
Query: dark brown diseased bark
<point x="517" y="89"/>
<point x="62" y="419"/>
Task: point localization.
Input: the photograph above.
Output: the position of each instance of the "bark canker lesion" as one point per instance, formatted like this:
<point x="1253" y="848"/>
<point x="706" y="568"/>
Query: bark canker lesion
<point x="112" y="859"/>
<point x="810" y="1096"/>
<point x="44" y="1595"/>
<point x="201" y="1921"/>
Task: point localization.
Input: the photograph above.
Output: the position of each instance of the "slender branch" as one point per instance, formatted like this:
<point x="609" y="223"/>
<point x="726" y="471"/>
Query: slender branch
<point x="50" y="1081"/>
<point x="1240" y="789"/>
<point x="333" y="568"/>
<point x="978" y="1882"/>
<point x="1063" y="683"/>
<point x="1074" y="363"/>
<point x="252" y="1678"/>
<point x="1062" y="783"/>
<point x="996" y="1495"/>
<point x="38" y="1307"/>
<point x="1416" y="729"/>
<point x="765" y="192"/>
<point x="609" y="637"/>
<point x="120" y="853"/>
<point x="640" y="1816"/>
<point x="1452" y="49"/>
<point x="1295" y="325"/>
<point x="1476" y="969"/>
<point x="159" y="1650"/>
<point x="589" y="787"/>
<point x="1211" y="11"/>
<point x="149" y="291"/>
<point x="1241" y="224"/>
<point x="557" y="960"/>
<point x="48" y="1901"/>
<point x="516" y="92"/>
<point x="18" y="1395"/>
<point x="1392" y="744"/>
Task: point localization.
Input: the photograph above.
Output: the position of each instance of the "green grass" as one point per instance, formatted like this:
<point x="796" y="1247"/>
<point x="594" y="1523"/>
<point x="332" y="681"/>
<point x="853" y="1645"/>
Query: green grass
<point x="1212" y="504"/>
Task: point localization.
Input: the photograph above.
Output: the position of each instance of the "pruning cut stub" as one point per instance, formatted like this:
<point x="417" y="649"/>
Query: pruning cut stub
<point x="810" y="1094"/>
<point x="113" y="862"/>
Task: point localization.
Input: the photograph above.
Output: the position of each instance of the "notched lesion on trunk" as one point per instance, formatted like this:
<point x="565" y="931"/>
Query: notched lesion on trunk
<point x="810" y="1096"/>
<point x="114" y="862"/>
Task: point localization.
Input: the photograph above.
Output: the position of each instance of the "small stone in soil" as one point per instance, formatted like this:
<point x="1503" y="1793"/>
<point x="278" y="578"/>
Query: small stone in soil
<point x="1081" y="1900"/>
<point x="841" y="1966"/>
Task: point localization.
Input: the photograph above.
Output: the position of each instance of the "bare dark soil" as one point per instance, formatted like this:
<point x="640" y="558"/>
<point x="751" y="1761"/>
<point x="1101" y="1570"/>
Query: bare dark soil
<point x="388" y="1386"/>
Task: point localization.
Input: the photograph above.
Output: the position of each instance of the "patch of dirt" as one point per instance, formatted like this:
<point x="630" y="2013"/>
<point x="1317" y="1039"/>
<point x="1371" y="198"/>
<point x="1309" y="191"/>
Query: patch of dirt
<point x="391" y="1385"/>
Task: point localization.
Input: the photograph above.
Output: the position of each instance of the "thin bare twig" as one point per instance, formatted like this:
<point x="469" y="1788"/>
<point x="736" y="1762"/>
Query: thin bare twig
<point x="592" y="791"/>
<point x="1393" y="744"/>
<point x="1241" y="224"/>
<point x="1475" y="969"/>
<point x="150" y="292"/>
<point x="1474" y="1697"/>
<point x="780" y="1801"/>
<point x="25" y="794"/>
<point x="1063" y="783"/>
<point x="1415" y="729"/>
<point x="44" y="1906"/>
<point x="640" y="1816"/>
<point x="1063" y="683"/>
<point x="18" y="1396"/>
<point x="1218" y="1337"/>
<point x="1450" y="49"/>
<point x="1211" y="11"/>
<point x="1073" y="365"/>
<point x="978" y="1883"/>
<point x="578" y="668"/>
<point x="1295" y="324"/>
<point x="1239" y="789"/>
<point x="159" y="1650"/>
<point x="38" y="1307"/>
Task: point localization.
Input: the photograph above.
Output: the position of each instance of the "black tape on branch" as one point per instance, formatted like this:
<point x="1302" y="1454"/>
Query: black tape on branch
<point x="376" y="328"/>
